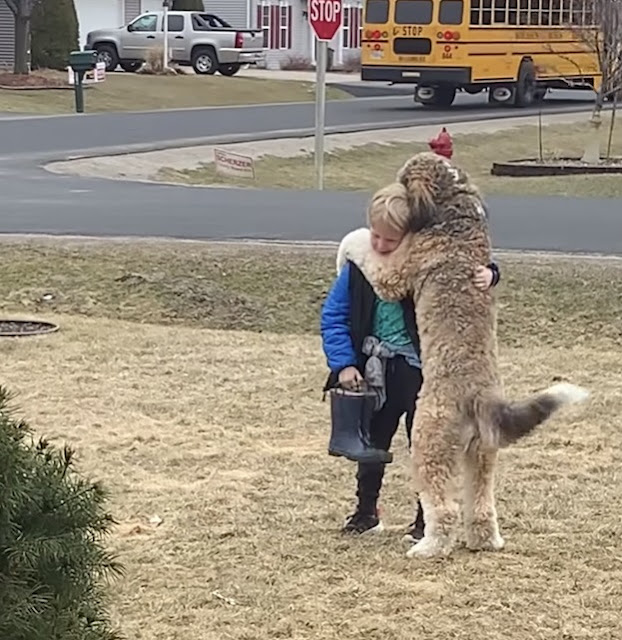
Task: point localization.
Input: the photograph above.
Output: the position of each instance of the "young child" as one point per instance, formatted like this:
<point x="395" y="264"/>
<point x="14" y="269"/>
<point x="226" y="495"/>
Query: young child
<point x="350" y="313"/>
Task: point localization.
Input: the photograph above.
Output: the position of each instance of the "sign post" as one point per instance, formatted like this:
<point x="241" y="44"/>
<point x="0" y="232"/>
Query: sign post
<point x="325" y="20"/>
<point x="165" y="6"/>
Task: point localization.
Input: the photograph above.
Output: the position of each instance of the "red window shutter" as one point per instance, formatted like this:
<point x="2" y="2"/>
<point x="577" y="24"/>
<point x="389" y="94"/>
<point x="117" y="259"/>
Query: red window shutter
<point x="274" y="27"/>
<point x="289" y="26"/>
<point x="260" y="23"/>
<point x="351" y="25"/>
<point x="359" y="19"/>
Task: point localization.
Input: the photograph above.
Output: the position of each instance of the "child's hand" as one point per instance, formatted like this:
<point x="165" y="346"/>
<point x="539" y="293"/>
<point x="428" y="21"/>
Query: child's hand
<point x="483" y="277"/>
<point x="350" y="378"/>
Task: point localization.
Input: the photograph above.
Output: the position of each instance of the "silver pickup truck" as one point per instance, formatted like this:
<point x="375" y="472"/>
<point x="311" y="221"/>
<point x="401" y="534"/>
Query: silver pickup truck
<point x="201" y="40"/>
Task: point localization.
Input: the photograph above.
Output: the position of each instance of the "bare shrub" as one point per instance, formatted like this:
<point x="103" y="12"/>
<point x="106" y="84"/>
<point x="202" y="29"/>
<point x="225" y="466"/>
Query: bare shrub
<point x="296" y="62"/>
<point x="154" y="65"/>
<point x="352" y="63"/>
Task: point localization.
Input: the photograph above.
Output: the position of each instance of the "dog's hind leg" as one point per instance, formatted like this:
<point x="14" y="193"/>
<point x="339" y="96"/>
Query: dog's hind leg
<point x="435" y="470"/>
<point x="480" y="514"/>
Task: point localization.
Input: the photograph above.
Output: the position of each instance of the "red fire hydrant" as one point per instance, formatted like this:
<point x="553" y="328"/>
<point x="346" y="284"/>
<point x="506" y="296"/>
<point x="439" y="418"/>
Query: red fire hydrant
<point x="442" y="144"/>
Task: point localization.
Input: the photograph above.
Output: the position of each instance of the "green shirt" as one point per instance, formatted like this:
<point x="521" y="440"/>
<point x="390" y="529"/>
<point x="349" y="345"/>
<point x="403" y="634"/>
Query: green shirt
<point x="389" y="324"/>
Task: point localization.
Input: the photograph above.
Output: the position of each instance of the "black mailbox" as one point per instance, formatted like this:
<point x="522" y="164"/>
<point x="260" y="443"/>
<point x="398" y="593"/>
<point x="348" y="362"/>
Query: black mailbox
<point x="83" y="60"/>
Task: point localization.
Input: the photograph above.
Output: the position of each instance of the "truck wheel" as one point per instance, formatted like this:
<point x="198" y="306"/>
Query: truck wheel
<point x="442" y="95"/>
<point x="229" y="69"/>
<point x="204" y="61"/>
<point x="526" y="83"/>
<point x="130" y="67"/>
<point x="107" y="53"/>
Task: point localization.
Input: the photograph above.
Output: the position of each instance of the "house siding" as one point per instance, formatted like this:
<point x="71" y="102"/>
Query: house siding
<point x="279" y="48"/>
<point x="303" y="46"/>
<point x="7" y="36"/>
<point x="238" y="13"/>
<point x="131" y="10"/>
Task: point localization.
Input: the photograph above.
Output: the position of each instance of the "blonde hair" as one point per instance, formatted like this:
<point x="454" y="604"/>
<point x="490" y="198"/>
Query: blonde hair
<point x="389" y="205"/>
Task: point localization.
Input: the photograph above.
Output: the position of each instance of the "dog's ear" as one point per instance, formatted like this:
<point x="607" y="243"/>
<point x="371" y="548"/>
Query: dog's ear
<point x="418" y="176"/>
<point x="422" y="213"/>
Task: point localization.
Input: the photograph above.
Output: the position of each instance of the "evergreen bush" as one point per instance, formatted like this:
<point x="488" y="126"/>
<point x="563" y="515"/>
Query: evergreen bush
<point x="54" y="34"/>
<point x="53" y="565"/>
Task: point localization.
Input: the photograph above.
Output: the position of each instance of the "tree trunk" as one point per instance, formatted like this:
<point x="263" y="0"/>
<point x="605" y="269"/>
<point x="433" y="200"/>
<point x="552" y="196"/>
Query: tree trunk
<point x="591" y="152"/>
<point x="22" y="44"/>
<point x="612" y="124"/>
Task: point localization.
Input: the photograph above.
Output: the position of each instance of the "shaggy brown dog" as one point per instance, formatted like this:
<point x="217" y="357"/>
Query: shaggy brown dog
<point x="462" y="417"/>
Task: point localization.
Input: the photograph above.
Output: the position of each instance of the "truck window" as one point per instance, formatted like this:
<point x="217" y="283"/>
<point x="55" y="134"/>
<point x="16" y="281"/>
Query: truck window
<point x="175" y="23"/>
<point x="377" y="11"/>
<point x="205" y="21"/>
<point x="145" y="23"/>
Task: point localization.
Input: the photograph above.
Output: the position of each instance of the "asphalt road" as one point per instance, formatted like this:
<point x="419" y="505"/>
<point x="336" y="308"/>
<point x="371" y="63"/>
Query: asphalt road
<point x="35" y="201"/>
<point x="57" y="137"/>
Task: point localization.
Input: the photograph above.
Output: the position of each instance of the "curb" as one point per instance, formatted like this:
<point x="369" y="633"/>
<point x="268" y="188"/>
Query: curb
<point x="284" y="244"/>
<point x="443" y="119"/>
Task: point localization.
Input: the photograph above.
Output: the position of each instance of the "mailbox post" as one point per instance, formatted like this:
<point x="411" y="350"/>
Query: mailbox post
<point x="81" y="62"/>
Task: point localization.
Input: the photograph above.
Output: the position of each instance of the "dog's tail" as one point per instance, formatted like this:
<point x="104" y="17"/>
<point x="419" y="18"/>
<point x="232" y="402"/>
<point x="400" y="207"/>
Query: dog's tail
<point x="501" y="423"/>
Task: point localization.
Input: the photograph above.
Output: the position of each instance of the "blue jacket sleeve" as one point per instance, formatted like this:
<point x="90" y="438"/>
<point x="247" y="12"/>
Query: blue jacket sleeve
<point x="335" y="324"/>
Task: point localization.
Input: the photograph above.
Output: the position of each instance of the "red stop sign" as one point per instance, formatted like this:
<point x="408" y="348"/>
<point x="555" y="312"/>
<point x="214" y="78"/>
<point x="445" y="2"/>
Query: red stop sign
<point x="325" y="18"/>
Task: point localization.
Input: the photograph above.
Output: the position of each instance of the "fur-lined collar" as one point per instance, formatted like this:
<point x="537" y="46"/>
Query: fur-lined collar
<point x="356" y="247"/>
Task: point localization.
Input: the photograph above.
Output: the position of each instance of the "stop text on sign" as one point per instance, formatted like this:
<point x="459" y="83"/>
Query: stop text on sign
<point x="325" y="17"/>
<point x="325" y="10"/>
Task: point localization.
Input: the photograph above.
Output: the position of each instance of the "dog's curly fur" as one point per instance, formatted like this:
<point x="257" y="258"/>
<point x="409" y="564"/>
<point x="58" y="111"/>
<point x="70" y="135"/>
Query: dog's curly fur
<point x="462" y="417"/>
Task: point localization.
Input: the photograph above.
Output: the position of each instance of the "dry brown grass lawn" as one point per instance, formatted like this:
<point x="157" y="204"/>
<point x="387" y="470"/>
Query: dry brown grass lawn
<point x="131" y="92"/>
<point x="222" y="434"/>
<point x="366" y="167"/>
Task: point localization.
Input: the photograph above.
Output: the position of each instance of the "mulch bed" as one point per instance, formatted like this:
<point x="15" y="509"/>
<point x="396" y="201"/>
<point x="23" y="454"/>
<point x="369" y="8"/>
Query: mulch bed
<point x="555" y="167"/>
<point x="32" y="81"/>
<point x="17" y="328"/>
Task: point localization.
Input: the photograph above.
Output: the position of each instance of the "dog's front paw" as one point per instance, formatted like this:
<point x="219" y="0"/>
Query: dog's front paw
<point x="431" y="547"/>
<point x="387" y="283"/>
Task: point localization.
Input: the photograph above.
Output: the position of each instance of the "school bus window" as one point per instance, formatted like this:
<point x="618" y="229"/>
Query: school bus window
<point x="450" y="12"/>
<point x="377" y="11"/>
<point x="481" y="12"/>
<point x="413" y="11"/>
<point x="500" y="14"/>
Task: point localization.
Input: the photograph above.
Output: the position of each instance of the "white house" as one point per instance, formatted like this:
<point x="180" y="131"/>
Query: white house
<point x="284" y="23"/>
<point x="92" y="14"/>
<point x="7" y="35"/>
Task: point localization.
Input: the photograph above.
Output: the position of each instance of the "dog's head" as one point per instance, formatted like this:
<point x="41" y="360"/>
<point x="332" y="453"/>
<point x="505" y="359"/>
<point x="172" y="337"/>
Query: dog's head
<point x="433" y="183"/>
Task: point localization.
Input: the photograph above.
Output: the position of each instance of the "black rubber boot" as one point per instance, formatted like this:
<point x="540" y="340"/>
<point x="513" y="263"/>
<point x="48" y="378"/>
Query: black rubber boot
<point x="351" y="414"/>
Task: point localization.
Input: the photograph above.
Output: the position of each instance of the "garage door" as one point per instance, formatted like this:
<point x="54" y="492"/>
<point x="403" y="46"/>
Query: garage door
<point x="98" y="14"/>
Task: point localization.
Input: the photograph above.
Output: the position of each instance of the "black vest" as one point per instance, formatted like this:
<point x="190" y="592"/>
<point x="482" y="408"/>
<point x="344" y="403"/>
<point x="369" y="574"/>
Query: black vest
<point x="362" y="299"/>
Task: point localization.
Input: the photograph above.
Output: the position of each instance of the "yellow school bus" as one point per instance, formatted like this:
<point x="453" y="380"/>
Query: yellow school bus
<point x="514" y="49"/>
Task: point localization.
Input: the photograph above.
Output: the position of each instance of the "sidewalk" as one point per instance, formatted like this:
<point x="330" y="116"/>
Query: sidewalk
<point x="144" y="166"/>
<point x="304" y="76"/>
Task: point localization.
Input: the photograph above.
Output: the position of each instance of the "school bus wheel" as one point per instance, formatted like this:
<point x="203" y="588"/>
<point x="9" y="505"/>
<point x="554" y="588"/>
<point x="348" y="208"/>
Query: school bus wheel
<point x="500" y="94"/>
<point x="441" y="95"/>
<point x="526" y="84"/>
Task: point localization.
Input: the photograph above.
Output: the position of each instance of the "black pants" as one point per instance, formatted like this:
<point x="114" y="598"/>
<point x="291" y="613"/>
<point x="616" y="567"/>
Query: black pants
<point x="403" y="382"/>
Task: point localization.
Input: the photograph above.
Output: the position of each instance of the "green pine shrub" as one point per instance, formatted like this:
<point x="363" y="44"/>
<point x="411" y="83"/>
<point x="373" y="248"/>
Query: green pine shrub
<point x="54" y="568"/>
<point x="54" y="34"/>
